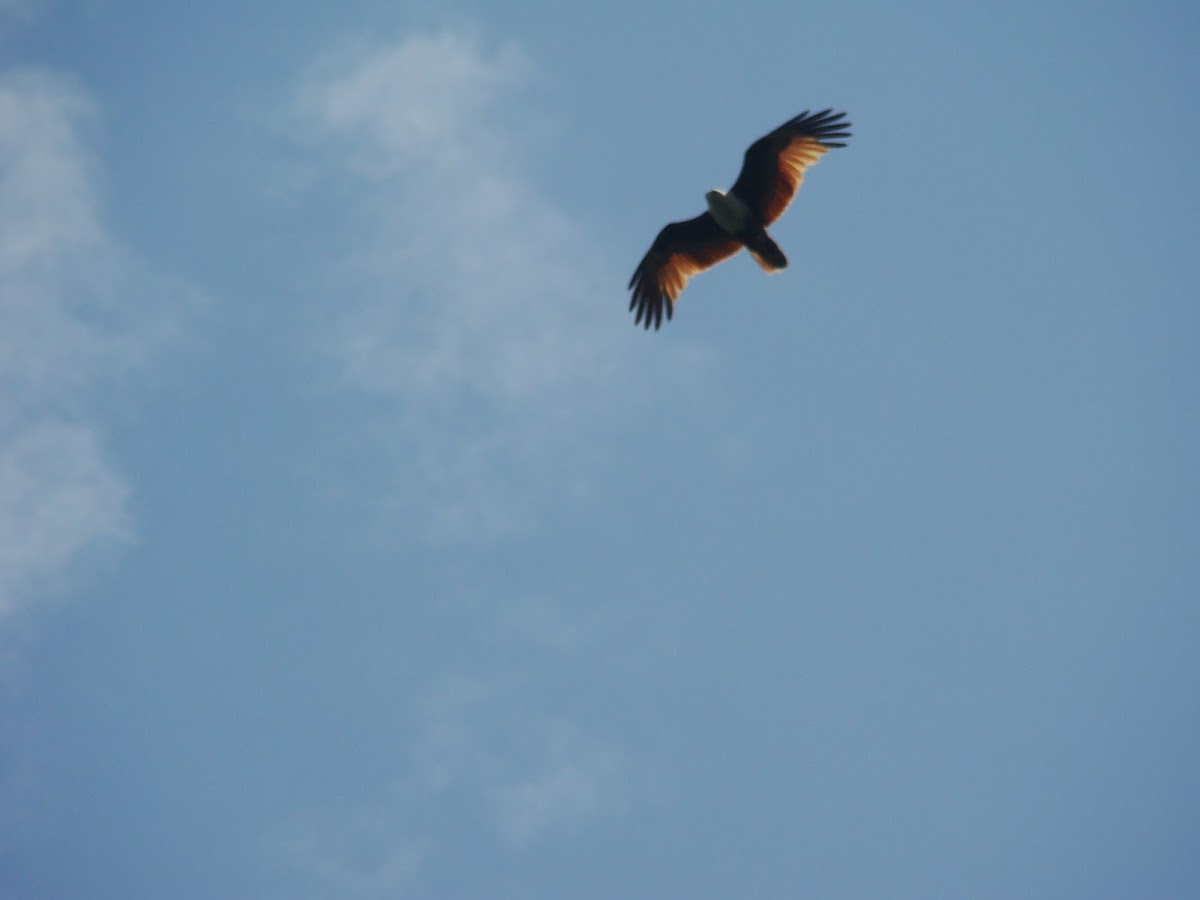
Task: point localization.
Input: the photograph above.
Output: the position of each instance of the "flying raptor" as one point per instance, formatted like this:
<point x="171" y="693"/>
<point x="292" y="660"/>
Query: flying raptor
<point x="772" y="170"/>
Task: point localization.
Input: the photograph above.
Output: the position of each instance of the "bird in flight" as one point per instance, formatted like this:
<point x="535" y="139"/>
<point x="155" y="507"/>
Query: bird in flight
<point x="772" y="170"/>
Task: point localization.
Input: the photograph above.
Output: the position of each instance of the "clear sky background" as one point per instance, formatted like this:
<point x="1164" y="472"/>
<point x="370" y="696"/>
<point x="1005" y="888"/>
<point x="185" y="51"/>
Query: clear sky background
<point x="354" y="544"/>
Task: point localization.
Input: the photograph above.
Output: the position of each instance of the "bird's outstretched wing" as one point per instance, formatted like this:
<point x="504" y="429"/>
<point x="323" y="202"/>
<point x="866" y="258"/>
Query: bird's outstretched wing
<point x="774" y="165"/>
<point x="680" y="251"/>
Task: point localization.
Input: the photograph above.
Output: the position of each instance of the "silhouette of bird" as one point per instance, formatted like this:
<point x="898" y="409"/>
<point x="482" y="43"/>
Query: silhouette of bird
<point x="772" y="170"/>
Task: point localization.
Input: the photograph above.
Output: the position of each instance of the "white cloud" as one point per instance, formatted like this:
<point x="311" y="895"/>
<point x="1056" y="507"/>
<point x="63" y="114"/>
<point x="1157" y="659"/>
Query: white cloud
<point x="427" y="102"/>
<point x="57" y="498"/>
<point x="360" y="854"/>
<point x="476" y="305"/>
<point x="68" y="322"/>
<point x="520" y="782"/>
<point x="473" y="277"/>
<point x="532" y="775"/>
<point x="523" y="780"/>
<point x="479" y="319"/>
<point x="50" y="241"/>
<point x="574" y="781"/>
<point x="489" y="742"/>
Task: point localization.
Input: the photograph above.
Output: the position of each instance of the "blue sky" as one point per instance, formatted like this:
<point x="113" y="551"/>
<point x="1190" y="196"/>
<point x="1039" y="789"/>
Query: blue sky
<point x="354" y="544"/>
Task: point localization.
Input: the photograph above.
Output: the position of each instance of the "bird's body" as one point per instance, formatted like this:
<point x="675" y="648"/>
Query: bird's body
<point x="738" y="221"/>
<point x="772" y="170"/>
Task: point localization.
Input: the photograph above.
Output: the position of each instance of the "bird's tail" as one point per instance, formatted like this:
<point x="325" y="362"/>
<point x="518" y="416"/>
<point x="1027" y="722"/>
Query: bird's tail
<point x="766" y="253"/>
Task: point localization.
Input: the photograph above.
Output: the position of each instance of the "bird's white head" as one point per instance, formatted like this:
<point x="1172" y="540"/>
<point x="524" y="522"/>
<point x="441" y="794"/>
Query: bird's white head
<point x="729" y="211"/>
<point x="715" y="200"/>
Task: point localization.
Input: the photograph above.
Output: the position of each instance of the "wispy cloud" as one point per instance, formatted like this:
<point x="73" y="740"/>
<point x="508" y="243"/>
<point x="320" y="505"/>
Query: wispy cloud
<point x="58" y="498"/>
<point x="68" y="322"/>
<point x="531" y="775"/>
<point x="359" y="854"/>
<point x="479" y="307"/>
<point x="573" y="781"/>
<point x="478" y="320"/>
<point x="48" y="228"/>
<point x="487" y="741"/>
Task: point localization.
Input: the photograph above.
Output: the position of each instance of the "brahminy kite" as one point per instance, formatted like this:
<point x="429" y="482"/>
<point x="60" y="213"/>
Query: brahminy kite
<point x="772" y="170"/>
